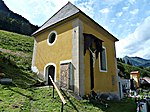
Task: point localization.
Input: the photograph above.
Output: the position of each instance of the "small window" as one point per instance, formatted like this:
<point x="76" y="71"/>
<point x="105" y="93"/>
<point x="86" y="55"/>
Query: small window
<point x="52" y="38"/>
<point x="103" y="61"/>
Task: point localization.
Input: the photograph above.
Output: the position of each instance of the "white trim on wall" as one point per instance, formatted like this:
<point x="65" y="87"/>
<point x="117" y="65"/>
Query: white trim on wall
<point x="106" y="61"/>
<point x="34" y="53"/>
<point x="65" y="61"/>
<point x="117" y="77"/>
<point x="78" y="56"/>
<point x="51" y="44"/>
<point x="75" y="54"/>
<point x="46" y="72"/>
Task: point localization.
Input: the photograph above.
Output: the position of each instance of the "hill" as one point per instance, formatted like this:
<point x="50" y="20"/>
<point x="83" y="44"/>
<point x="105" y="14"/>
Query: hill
<point x="13" y="22"/>
<point x="15" y="58"/>
<point x="137" y="61"/>
<point x="125" y="69"/>
<point x="21" y="96"/>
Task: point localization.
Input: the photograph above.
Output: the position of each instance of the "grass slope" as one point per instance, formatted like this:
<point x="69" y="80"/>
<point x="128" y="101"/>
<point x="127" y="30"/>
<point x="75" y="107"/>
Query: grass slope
<point x="16" y="42"/>
<point x="15" y="58"/>
<point x="40" y="100"/>
<point x="15" y="62"/>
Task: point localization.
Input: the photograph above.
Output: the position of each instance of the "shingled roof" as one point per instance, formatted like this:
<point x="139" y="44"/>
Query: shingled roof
<point x="67" y="11"/>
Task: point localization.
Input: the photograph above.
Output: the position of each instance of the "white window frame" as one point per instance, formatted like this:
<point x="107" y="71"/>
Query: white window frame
<point x="50" y="44"/>
<point x="66" y="62"/>
<point x="100" y="61"/>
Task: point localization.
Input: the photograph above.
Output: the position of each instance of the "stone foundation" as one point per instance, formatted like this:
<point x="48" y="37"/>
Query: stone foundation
<point x="108" y="96"/>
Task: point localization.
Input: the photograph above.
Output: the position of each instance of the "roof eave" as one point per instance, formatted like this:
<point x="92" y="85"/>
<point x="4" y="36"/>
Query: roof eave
<point x="79" y="12"/>
<point x="63" y="20"/>
<point x="99" y="26"/>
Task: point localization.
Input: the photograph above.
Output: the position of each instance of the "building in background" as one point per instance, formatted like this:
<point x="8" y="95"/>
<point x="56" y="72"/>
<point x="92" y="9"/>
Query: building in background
<point x="136" y="76"/>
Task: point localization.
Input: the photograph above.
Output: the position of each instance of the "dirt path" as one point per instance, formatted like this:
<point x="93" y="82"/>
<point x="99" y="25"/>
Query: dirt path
<point x="17" y="53"/>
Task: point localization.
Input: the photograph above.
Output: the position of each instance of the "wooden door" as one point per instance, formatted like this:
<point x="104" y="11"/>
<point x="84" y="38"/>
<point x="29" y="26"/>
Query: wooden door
<point x="66" y="76"/>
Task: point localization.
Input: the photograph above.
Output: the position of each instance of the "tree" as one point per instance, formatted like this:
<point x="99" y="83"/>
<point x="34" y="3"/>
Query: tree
<point x="128" y="62"/>
<point x="121" y="67"/>
<point x="141" y="67"/>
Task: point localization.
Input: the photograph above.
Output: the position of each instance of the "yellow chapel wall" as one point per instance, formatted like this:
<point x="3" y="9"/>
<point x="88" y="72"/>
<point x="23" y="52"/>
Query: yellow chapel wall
<point x="102" y="80"/>
<point x="60" y="51"/>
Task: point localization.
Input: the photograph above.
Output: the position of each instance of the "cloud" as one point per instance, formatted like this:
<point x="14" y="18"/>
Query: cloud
<point x="125" y="8"/>
<point x="132" y="1"/>
<point x="135" y="11"/>
<point x="136" y="43"/>
<point x="119" y="14"/>
<point x="112" y="21"/>
<point x="120" y="25"/>
<point x="148" y="12"/>
<point x="86" y="7"/>
<point x="104" y="11"/>
<point x="111" y="2"/>
<point x="44" y="9"/>
<point x="38" y="11"/>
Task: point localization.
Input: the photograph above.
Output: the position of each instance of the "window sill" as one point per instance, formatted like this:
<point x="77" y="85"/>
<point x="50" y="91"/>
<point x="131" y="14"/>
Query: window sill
<point x="103" y="70"/>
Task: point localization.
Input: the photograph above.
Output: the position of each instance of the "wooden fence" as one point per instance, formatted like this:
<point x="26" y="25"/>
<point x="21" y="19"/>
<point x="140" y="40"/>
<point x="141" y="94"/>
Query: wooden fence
<point x="59" y="93"/>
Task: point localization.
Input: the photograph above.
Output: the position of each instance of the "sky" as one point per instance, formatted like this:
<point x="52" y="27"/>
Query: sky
<point x="127" y="20"/>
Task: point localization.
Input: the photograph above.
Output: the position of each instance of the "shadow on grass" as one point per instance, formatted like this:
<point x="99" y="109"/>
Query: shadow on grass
<point x="99" y="104"/>
<point x="23" y="94"/>
<point x="83" y="105"/>
<point x="20" y="77"/>
<point x="74" y="106"/>
<point x="114" y="106"/>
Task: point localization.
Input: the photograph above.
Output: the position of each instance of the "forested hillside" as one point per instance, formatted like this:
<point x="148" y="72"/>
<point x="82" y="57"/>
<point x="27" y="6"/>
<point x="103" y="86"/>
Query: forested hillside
<point x="13" y="22"/>
<point x="125" y="69"/>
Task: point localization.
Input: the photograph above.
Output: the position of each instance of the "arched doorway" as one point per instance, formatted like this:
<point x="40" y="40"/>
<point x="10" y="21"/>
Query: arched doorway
<point x="50" y="69"/>
<point x="51" y="72"/>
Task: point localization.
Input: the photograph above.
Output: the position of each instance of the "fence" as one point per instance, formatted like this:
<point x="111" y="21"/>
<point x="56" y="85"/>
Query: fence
<point x="60" y="95"/>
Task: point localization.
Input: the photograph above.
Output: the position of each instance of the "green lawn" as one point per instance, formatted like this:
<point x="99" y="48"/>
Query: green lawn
<point x="21" y="96"/>
<point x="16" y="57"/>
<point x="16" y="42"/>
<point x="41" y="100"/>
